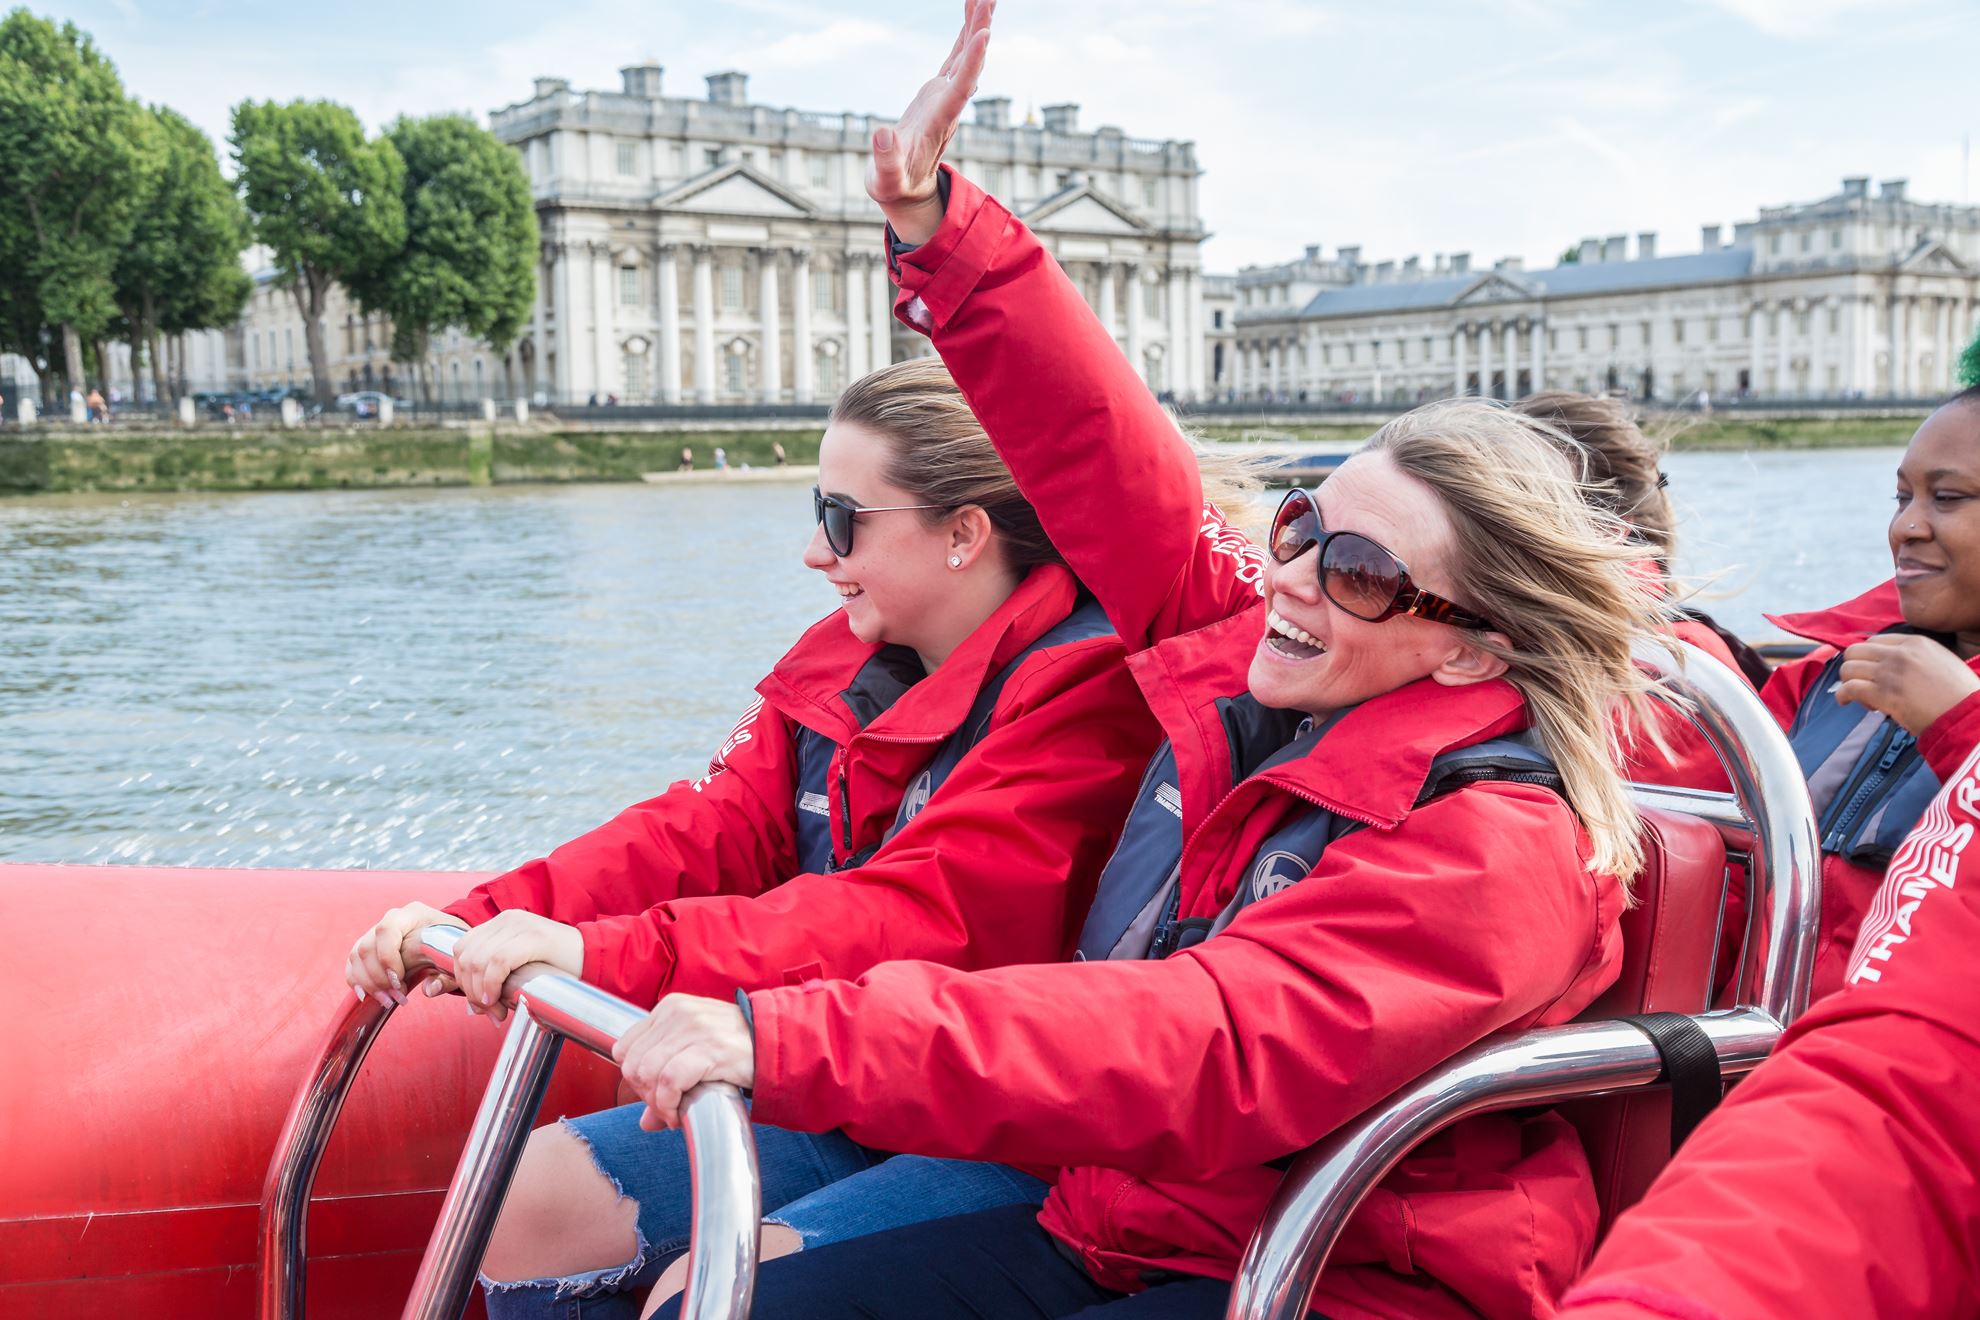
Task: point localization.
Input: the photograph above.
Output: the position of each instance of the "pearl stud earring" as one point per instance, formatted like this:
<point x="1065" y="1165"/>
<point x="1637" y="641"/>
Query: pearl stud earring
<point x="955" y="561"/>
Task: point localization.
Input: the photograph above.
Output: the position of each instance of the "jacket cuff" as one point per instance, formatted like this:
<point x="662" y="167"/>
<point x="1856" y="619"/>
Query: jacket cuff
<point x="639" y="973"/>
<point x="771" y="1094"/>
<point x="474" y="909"/>
<point x="1951" y="737"/>
<point x="936" y="277"/>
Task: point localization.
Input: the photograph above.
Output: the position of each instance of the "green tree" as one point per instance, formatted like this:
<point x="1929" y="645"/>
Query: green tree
<point x="1969" y="362"/>
<point x="181" y="269"/>
<point x="471" y="240"/>
<point x="324" y="200"/>
<point x="76" y="155"/>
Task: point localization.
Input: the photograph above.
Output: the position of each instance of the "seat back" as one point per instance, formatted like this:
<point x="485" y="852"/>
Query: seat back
<point x="1670" y="943"/>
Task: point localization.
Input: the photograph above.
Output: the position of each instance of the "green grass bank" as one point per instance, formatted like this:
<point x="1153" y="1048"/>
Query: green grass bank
<point x="69" y="461"/>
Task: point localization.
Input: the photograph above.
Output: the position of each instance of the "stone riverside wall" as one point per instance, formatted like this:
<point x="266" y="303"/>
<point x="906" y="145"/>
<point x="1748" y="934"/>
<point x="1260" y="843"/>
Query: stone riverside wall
<point x="81" y="460"/>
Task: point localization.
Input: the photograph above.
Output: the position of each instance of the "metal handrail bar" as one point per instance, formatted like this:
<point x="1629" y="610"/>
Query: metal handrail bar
<point x="1284" y="1260"/>
<point x="547" y="1008"/>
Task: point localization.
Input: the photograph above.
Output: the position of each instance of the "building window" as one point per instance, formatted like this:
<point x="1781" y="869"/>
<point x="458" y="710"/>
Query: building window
<point x="1615" y="337"/>
<point x="777" y="166"/>
<point x="732" y="287"/>
<point x="1807" y="241"/>
<point x="1833" y="389"/>
<point x="821" y="165"/>
<point x="1151" y="300"/>
<point x="634" y="366"/>
<point x="993" y="180"/>
<point x="1350" y="353"/>
<point x="1773" y="245"/>
<point x="1677" y="331"/>
<point x="1646" y="334"/>
<point x="1711" y="382"/>
<point x="1429" y="351"/>
<point x="1217" y="320"/>
<point x="289" y="343"/>
<point x="625" y="158"/>
<point x="733" y="372"/>
<point x="1835" y="320"/>
<point x="1581" y="334"/>
<point x="713" y="156"/>
<point x="1835" y="240"/>
<point x="1554" y="341"/>
<point x="1148" y="193"/>
<point x="1712" y="329"/>
<point x="1801" y="323"/>
<point x="821" y="290"/>
<point x="629" y="286"/>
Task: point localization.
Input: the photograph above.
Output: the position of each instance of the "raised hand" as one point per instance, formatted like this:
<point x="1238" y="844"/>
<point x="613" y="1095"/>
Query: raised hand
<point x="1911" y="678"/>
<point x="901" y="175"/>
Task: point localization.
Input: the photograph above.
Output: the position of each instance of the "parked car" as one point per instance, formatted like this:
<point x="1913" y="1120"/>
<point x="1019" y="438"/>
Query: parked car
<point x="364" y="403"/>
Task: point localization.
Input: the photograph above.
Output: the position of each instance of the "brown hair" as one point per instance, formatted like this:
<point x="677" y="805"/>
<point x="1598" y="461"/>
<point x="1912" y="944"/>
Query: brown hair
<point x="1617" y="458"/>
<point x="1559" y="576"/>
<point x="941" y="456"/>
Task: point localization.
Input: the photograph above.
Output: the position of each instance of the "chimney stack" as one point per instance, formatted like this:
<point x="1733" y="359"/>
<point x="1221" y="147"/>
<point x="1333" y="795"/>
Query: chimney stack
<point x="1591" y="251"/>
<point x="551" y="87"/>
<point x="1615" y="248"/>
<point x="1061" y="118"/>
<point x="1646" y="246"/>
<point x="730" y="88"/>
<point x="993" y="111"/>
<point x="1708" y="238"/>
<point x="1857" y="186"/>
<point x="1460" y="263"/>
<point x="1891" y="190"/>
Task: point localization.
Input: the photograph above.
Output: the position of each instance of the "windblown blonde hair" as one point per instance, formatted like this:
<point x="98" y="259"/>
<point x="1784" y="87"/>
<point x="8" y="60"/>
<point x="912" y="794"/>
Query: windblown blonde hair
<point x="941" y="455"/>
<point x="1559" y="577"/>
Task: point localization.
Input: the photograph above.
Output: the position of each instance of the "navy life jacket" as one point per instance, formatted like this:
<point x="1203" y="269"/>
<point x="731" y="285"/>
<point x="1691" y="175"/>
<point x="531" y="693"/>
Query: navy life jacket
<point x="881" y="682"/>
<point x="1135" y="912"/>
<point x="1870" y="782"/>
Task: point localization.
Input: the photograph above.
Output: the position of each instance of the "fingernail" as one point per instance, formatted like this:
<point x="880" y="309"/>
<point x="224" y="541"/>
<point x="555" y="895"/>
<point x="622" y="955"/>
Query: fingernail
<point x="358" y="990"/>
<point x="883" y="139"/>
<point x="469" y="1005"/>
<point x="393" y="977"/>
<point x="384" y="1000"/>
<point x="486" y="999"/>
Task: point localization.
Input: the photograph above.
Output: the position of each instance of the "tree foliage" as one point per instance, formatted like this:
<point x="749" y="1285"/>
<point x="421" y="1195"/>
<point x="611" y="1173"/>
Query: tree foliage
<point x="469" y="260"/>
<point x="181" y="268"/>
<point x="326" y="202"/>
<point x="77" y="156"/>
<point x="1969" y="362"/>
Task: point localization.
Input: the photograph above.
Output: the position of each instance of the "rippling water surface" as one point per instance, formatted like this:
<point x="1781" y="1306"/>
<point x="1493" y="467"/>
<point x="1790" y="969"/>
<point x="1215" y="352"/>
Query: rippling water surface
<point x="462" y="679"/>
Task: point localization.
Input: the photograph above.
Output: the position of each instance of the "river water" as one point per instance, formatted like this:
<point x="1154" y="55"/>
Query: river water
<point x="461" y="679"/>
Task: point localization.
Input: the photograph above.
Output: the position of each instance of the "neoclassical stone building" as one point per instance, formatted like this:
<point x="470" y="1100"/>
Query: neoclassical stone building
<point x="710" y="250"/>
<point x="1851" y="296"/>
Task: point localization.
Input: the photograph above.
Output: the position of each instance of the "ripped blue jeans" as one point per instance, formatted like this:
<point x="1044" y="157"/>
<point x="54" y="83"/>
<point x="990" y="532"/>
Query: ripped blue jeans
<point x="824" y="1186"/>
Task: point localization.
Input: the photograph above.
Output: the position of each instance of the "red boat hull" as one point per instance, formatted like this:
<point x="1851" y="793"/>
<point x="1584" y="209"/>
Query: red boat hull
<point x="157" y="1024"/>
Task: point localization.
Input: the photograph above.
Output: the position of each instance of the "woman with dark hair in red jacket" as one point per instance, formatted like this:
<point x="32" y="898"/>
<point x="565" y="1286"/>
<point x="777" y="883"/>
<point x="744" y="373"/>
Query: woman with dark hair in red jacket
<point x="1388" y="821"/>
<point x="867" y="806"/>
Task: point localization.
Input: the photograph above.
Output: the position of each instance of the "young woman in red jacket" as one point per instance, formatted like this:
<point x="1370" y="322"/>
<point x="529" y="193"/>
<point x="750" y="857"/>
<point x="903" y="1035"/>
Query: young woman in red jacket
<point x="1873" y="712"/>
<point x="935" y="771"/>
<point x="1388" y="821"/>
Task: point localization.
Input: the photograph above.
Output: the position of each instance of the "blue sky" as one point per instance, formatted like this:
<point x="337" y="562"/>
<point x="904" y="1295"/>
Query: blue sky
<point x="1498" y="127"/>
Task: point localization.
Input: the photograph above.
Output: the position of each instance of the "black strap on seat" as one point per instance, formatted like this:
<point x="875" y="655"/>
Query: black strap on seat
<point x="1691" y="1066"/>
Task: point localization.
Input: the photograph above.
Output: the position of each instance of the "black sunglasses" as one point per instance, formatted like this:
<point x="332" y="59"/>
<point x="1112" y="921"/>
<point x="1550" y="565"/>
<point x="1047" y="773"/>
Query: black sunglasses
<point x="836" y="517"/>
<point x="1358" y="574"/>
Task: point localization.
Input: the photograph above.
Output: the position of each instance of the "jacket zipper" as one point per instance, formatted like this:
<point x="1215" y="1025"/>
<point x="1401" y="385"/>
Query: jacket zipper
<point x="1896" y="741"/>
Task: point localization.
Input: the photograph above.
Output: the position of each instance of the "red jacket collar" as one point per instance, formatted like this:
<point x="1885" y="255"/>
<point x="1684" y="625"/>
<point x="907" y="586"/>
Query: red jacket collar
<point x="1373" y="763"/>
<point x="1848" y="623"/>
<point x="810" y="682"/>
<point x="1378" y="755"/>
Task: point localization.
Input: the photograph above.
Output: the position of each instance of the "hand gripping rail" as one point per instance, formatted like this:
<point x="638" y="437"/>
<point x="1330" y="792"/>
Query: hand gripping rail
<point x="547" y="1007"/>
<point x="1768" y="814"/>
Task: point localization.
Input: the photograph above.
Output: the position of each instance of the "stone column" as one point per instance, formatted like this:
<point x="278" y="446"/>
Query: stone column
<point x="856" y="334"/>
<point x="1509" y="340"/>
<point x="1185" y="338"/>
<point x="1904" y="355"/>
<point x="704" y="324"/>
<point x="1948" y="348"/>
<point x="1485" y="360"/>
<point x="1818" y="327"/>
<point x="802" y="295"/>
<point x="1784" y="326"/>
<point x="539" y="333"/>
<point x="1131" y="287"/>
<point x="1756" y="338"/>
<point x="1240" y="367"/>
<point x="772" y="376"/>
<point x="668" y="277"/>
<point x="1459" y="385"/>
<point x="603" y="302"/>
<point x="1855" y="332"/>
<point x="1538" y="353"/>
<point x="564" y="382"/>
<point x="1105" y="308"/>
<point x="883" y="315"/>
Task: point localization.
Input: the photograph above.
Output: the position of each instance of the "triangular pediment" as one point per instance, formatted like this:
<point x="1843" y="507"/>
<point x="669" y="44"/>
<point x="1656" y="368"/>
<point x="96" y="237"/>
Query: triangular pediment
<point x="1493" y="287"/>
<point x="735" y="189"/>
<point x="1079" y="209"/>
<point x="1931" y="257"/>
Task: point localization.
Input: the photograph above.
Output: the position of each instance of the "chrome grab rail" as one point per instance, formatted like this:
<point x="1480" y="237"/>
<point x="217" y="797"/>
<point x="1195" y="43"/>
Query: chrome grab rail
<point x="1282" y="1264"/>
<point x="547" y="1008"/>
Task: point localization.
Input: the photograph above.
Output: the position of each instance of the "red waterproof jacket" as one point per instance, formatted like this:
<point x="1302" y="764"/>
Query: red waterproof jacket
<point x="1162" y="1089"/>
<point x="1846" y="887"/>
<point x="698" y="890"/>
<point x="1691" y="762"/>
<point x="1842" y="1180"/>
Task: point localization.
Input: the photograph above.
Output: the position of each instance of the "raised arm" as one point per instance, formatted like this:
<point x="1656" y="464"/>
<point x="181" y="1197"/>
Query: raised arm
<point x="1111" y="477"/>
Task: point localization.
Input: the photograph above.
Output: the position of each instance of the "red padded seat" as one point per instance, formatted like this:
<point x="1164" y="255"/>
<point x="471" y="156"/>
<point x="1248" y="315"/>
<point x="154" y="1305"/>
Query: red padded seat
<point x="1670" y="942"/>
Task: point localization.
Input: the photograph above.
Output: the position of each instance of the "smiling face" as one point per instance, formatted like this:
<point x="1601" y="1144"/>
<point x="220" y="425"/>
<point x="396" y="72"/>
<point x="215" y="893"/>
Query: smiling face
<point x="895" y="583"/>
<point x="1318" y="658"/>
<point x="1935" y="531"/>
